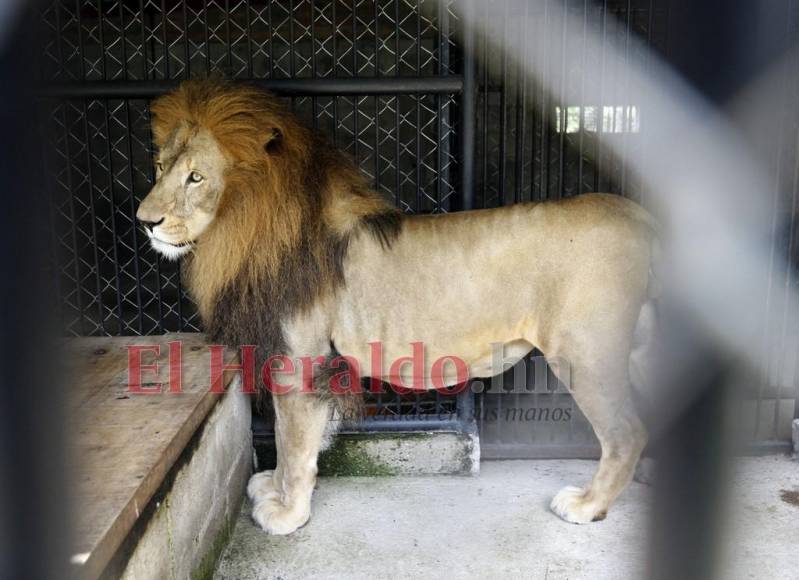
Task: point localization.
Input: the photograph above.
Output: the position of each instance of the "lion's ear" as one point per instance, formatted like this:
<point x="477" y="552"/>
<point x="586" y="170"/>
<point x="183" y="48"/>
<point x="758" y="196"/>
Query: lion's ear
<point x="274" y="142"/>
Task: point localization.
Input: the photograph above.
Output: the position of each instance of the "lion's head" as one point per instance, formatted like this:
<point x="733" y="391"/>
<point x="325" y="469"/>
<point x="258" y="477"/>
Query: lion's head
<point x="261" y="207"/>
<point x="206" y="132"/>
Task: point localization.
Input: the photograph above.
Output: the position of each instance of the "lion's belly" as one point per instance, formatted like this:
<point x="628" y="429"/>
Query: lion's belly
<point x="463" y="285"/>
<point x="461" y="303"/>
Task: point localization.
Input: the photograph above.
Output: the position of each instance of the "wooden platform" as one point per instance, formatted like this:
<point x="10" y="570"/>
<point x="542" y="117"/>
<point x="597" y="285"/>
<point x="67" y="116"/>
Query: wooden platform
<point x="124" y="444"/>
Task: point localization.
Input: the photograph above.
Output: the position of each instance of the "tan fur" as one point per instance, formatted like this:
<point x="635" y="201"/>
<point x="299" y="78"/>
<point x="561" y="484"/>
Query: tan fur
<point x="264" y="198"/>
<point x="568" y="277"/>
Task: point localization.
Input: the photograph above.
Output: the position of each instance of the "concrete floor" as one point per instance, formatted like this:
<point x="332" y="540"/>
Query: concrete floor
<point x="497" y="525"/>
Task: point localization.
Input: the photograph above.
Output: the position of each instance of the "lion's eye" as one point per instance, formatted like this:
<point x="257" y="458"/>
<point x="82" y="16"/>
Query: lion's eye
<point x="195" y="177"/>
<point x="159" y="166"/>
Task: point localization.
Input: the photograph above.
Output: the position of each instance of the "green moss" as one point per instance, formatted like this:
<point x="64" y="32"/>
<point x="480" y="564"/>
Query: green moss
<point x="205" y="571"/>
<point x="347" y="457"/>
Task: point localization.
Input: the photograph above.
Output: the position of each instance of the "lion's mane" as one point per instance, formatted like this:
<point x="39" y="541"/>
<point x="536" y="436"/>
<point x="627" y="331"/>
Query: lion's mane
<point x="290" y="206"/>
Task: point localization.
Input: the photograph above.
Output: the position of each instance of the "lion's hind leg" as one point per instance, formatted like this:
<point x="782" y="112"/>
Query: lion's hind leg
<point x="603" y="395"/>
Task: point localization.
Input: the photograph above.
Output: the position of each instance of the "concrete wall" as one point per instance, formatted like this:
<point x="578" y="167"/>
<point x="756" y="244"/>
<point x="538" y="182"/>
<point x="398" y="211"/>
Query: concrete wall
<point x="193" y="519"/>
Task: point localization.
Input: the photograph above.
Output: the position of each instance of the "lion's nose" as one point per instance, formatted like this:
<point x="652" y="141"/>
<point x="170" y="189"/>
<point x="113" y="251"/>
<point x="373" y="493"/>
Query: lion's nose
<point x="151" y="224"/>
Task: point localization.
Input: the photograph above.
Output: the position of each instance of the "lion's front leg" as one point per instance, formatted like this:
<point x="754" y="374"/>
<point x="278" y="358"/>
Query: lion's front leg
<point x="282" y="500"/>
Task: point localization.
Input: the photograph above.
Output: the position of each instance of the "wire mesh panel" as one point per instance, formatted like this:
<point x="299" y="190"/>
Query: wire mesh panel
<point x="100" y="149"/>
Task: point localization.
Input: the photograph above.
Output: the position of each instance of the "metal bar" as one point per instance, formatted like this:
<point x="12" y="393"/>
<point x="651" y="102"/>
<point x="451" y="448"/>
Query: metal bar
<point x="464" y="403"/>
<point x="521" y="105"/>
<point x="468" y="104"/>
<point x="227" y="37"/>
<point x="90" y="177"/>
<point x="249" y="40"/>
<point x="165" y="40"/>
<point x="297" y="87"/>
<point x="292" y="52"/>
<point x="543" y="184"/>
<point x="397" y="175"/>
<point x="377" y="101"/>
<point x="601" y="105"/>
<point x="564" y="105"/>
<point x="418" y="204"/>
<point x="582" y="106"/>
<point x="484" y="124"/>
<point x="112" y="203"/>
<point x="355" y="74"/>
<point x="272" y="40"/>
<point x="496" y="451"/>
<point x="143" y="41"/>
<point x="186" y="51"/>
<point x="334" y="73"/>
<point x="207" y="37"/>
<point x="314" y="116"/>
<point x="503" y="113"/>
<point x="69" y="163"/>
<point x="443" y="68"/>
<point x="372" y="425"/>
<point x="626" y="108"/>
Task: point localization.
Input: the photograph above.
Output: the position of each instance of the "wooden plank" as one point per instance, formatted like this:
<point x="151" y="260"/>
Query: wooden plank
<point x="122" y="444"/>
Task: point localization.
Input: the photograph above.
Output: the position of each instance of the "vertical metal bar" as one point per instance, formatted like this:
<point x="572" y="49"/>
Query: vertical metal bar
<point x="377" y="103"/>
<point x="130" y="161"/>
<point x="521" y="105"/>
<point x="165" y="40"/>
<point x="767" y="351"/>
<point x="135" y="242"/>
<point x="625" y="129"/>
<point x="601" y="113"/>
<point x="791" y="257"/>
<point x="70" y="191"/>
<point x="90" y="176"/>
<point x="442" y="116"/>
<point x="292" y="57"/>
<point x="143" y="43"/>
<point x="207" y="38"/>
<point x="355" y="73"/>
<point x="114" y="237"/>
<point x="485" y="91"/>
<point x="564" y="108"/>
<point x="249" y="40"/>
<point x="335" y="73"/>
<point x="465" y="399"/>
<point x="418" y="108"/>
<point x="582" y="105"/>
<point x="228" y="38"/>
<point x="468" y="104"/>
<point x="503" y="115"/>
<point x="543" y="185"/>
<point x="271" y="40"/>
<point x="186" y="50"/>
<point x="397" y="175"/>
<point x="314" y="117"/>
<point x="151" y="178"/>
<point x="642" y="106"/>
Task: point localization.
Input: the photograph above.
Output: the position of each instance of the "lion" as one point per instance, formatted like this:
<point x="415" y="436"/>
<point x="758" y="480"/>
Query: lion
<point x="289" y="248"/>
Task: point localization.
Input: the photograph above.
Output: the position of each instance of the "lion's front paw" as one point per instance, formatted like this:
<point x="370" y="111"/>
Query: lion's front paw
<point x="572" y="505"/>
<point x="261" y="486"/>
<point x="278" y="519"/>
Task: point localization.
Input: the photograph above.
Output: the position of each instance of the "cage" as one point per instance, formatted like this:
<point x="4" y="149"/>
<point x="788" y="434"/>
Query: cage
<point x="435" y="120"/>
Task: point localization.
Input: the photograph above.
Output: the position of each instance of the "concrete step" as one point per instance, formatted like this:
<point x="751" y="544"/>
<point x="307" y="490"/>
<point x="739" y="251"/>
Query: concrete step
<point x="159" y="477"/>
